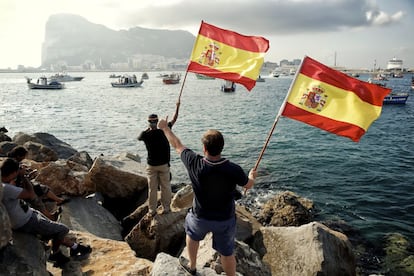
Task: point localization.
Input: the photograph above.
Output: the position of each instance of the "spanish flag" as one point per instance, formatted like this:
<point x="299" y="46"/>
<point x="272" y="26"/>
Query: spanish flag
<point x="228" y="55"/>
<point x="333" y="101"/>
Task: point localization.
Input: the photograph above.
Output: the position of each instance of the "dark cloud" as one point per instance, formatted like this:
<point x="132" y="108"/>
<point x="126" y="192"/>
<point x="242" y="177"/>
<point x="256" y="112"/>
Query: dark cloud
<point x="269" y="17"/>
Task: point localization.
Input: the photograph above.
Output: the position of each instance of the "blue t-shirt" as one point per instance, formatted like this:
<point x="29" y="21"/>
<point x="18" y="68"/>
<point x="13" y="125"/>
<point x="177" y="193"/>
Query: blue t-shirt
<point x="214" y="185"/>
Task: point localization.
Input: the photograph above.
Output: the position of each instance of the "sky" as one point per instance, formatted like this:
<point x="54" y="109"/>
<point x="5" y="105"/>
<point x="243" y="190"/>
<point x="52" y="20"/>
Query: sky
<point x="348" y="33"/>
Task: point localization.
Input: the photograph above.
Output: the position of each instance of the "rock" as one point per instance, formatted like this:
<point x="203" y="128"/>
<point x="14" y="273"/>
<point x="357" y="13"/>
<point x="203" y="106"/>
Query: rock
<point x="183" y="198"/>
<point x="248" y="261"/>
<point x="5" y="147"/>
<point x="162" y="233"/>
<point x="63" y="150"/>
<point x="82" y="158"/>
<point x="399" y="255"/>
<point x="87" y="215"/>
<point x="4" y="137"/>
<point x="166" y="265"/>
<point x="39" y="152"/>
<point x="311" y="249"/>
<point x="286" y="209"/>
<point x="108" y="257"/>
<point x="64" y="177"/>
<point x="116" y="178"/>
<point x="25" y="256"/>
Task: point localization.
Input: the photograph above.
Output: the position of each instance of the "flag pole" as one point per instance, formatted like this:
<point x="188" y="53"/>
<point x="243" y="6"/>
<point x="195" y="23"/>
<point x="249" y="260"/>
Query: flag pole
<point x="186" y="71"/>
<point x="282" y="107"/>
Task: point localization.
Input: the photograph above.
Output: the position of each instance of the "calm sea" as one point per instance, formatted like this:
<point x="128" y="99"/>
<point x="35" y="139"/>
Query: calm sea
<point x="369" y="185"/>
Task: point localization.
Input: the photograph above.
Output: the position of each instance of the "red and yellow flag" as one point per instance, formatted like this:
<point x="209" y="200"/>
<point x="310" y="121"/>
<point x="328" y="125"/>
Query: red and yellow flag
<point x="228" y="55"/>
<point x="330" y="100"/>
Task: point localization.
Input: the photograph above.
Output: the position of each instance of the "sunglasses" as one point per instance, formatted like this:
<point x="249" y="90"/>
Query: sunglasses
<point x="152" y="121"/>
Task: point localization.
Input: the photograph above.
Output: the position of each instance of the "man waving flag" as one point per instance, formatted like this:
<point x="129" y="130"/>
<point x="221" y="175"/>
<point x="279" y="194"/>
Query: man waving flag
<point x="228" y="55"/>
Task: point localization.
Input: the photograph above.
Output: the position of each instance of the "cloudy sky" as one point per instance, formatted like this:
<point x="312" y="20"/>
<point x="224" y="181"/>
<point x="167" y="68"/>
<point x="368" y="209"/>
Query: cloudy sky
<point x="356" y="32"/>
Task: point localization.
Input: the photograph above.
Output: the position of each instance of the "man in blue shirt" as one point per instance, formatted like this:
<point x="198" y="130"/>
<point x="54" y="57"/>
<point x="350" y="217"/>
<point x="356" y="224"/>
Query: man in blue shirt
<point x="214" y="180"/>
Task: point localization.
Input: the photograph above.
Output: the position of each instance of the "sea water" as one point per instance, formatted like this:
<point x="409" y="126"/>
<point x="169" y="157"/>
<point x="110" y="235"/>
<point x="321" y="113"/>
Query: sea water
<point x="369" y="184"/>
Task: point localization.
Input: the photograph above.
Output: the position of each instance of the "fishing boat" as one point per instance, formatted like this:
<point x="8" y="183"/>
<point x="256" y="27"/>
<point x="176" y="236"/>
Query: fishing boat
<point x="172" y="78"/>
<point x="204" y="77"/>
<point x="64" y="77"/>
<point x="43" y="83"/>
<point x="228" y="86"/>
<point x="396" y="98"/>
<point x="393" y="97"/>
<point x="127" y="81"/>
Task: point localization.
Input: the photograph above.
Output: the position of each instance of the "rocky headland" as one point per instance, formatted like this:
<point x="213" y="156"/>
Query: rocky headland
<point x="108" y="209"/>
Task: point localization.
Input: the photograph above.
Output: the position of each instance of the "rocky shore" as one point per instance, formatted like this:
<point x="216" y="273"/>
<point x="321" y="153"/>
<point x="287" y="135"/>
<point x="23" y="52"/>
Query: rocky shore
<point x="108" y="209"/>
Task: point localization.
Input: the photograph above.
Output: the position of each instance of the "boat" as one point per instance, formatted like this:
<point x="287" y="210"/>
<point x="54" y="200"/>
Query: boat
<point x="113" y="76"/>
<point x="43" y="83"/>
<point x="172" y="78"/>
<point x="127" y="81"/>
<point x="228" y="86"/>
<point x="393" y="97"/>
<point x="396" y="98"/>
<point x="260" y="79"/>
<point x="204" y="77"/>
<point x="144" y="76"/>
<point x="64" y="77"/>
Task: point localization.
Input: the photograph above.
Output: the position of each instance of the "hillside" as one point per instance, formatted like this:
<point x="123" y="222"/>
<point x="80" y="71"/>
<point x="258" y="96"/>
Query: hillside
<point x="74" y="40"/>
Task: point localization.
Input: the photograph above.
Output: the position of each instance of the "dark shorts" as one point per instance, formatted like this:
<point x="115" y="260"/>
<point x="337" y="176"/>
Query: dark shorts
<point x="224" y="232"/>
<point x="45" y="228"/>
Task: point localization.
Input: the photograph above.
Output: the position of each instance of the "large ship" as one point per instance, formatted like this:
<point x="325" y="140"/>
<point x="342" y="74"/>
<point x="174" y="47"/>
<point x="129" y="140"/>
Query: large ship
<point x="395" y="64"/>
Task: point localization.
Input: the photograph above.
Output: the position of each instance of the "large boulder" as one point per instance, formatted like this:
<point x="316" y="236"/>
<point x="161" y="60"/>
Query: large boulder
<point x="286" y="209"/>
<point x="88" y="215"/>
<point x="108" y="257"/>
<point x="248" y="260"/>
<point x="63" y="150"/>
<point x="311" y="249"/>
<point x="65" y="177"/>
<point x="116" y="177"/>
<point x="162" y="233"/>
<point x="25" y="256"/>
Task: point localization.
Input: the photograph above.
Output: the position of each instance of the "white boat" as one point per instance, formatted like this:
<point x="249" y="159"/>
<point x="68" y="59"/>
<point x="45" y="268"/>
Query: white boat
<point x="127" y="81"/>
<point x="43" y="83"/>
<point x="64" y="77"/>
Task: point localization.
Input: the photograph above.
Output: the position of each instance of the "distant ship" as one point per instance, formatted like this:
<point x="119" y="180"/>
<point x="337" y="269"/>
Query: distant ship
<point x="395" y="64"/>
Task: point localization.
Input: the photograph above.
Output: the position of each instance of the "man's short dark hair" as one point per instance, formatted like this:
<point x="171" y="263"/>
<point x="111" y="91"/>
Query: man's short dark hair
<point x="18" y="152"/>
<point x="9" y="166"/>
<point x="213" y="141"/>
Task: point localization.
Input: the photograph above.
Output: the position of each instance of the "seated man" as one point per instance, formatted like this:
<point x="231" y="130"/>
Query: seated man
<point x="28" y="220"/>
<point x="42" y="192"/>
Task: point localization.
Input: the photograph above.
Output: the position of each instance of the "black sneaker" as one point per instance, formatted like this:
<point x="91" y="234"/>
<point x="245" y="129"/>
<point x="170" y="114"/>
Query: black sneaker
<point x="184" y="265"/>
<point x="80" y="251"/>
<point x="58" y="259"/>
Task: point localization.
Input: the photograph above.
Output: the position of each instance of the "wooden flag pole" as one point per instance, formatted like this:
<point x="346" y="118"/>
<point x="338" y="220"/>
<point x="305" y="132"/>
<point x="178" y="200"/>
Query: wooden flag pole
<point x="282" y="107"/>
<point x="182" y="87"/>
